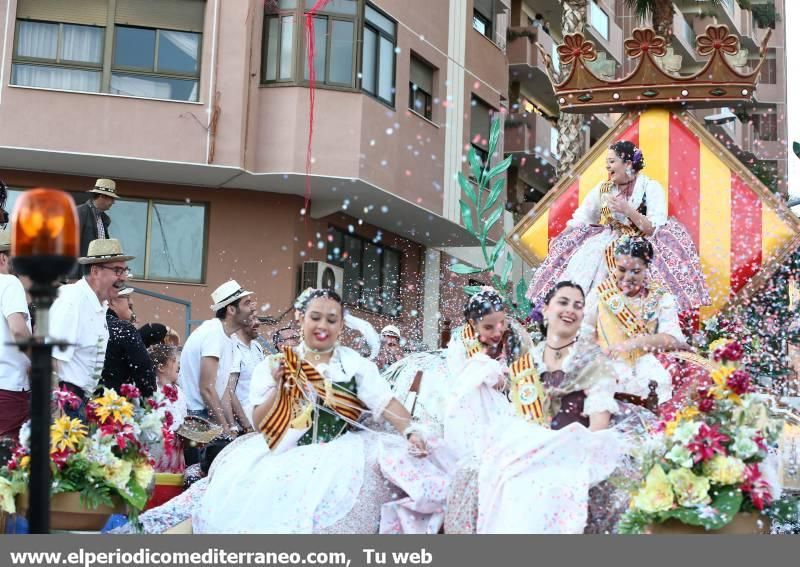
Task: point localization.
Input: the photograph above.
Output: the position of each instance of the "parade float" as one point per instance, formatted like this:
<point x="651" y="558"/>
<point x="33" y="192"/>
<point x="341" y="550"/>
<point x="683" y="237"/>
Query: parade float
<point x="702" y="471"/>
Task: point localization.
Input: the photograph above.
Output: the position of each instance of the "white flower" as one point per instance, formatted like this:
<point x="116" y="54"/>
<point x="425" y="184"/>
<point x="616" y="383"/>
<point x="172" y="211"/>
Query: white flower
<point x="681" y="456"/>
<point x="686" y="432"/>
<point x="151" y="427"/>
<point x="744" y="447"/>
<point x="25" y="435"/>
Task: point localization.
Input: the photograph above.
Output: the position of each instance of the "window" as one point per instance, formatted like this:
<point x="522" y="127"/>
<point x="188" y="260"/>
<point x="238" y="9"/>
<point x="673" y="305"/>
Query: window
<point x="598" y="19"/>
<point x="167" y="238"/>
<point x="479" y="126"/>
<point x="334" y="43"/>
<point x="378" y="55"/>
<point x="58" y="56"/>
<point x="278" y="57"/>
<point x="420" y="89"/>
<point x="155" y="63"/>
<point x="483" y="17"/>
<point x="766" y="127"/>
<point x="371" y="272"/>
<point x="155" y="46"/>
<point x="769" y="72"/>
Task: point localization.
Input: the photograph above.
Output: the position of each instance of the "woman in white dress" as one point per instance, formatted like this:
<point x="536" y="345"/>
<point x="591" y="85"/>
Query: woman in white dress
<point x="526" y="466"/>
<point x="313" y="468"/>
<point x="633" y="317"/>
<point x="629" y="203"/>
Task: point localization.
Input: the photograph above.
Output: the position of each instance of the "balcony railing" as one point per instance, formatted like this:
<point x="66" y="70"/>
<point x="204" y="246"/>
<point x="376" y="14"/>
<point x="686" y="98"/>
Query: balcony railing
<point x="530" y="134"/>
<point x="522" y="50"/>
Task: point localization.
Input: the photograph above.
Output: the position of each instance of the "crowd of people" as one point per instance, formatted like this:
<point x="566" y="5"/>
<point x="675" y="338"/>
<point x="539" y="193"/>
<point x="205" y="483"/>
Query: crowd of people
<point x="495" y="433"/>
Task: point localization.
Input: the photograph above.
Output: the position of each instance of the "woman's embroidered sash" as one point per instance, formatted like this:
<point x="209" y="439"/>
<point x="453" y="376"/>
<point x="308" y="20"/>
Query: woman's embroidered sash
<point x="623" y="323"/>
<point x="292" y="410"/>
<point x="527" y="393"/>
<point x="470" y="340"/>
<point x="607" y="218"/>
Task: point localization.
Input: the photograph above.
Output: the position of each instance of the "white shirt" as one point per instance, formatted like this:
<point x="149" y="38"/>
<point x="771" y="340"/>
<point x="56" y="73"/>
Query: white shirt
<point x="245" y="359"/>
<point x="13" y="363"/>
<point x="78" y="317"/>
<point x="645" y="188"/>
<point x="209" y="339"/>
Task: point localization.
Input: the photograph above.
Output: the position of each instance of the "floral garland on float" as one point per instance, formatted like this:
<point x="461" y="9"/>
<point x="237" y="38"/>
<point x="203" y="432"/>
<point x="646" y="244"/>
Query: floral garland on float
<point x="99" y="467"/>
<point x="712" y="464"/>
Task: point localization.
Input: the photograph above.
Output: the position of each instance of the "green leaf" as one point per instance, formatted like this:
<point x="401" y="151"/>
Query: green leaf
<point x="494" y="134"/>
<point x="497" y="189"/>
<point x="498" y="249"/>
<point x="727" y="502"/>
<point x="499" y="168"/>
<point x="466" y="216"/>
<point x="796" y="148"/>
<point x="471" y="290"/>
<point x="475" y="165"/>
<point x="490" y="221"/>
<point x="634" y="522"/>
<point x="463" y="269"/>
<point x="507" y="269"/>
<point x="468" y="188"/>
<point x="136" y="496"/>
<point x="522" y="289"/>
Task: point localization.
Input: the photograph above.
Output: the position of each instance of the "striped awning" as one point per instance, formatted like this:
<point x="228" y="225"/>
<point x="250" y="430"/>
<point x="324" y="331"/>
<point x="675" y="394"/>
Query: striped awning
<point x="742" y="231"/>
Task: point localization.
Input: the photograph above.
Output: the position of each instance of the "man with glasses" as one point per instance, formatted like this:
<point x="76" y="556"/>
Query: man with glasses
<point x="287" y="336"/>
<point x="78" y="317"/>
<point x="127" y="360"/>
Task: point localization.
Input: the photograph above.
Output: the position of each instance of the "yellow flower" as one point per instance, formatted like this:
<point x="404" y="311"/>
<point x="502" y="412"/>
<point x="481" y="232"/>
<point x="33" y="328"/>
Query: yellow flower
<point x="719" y="343"/>
<point x="686" y="414"/>
<point x="690" y="489"/>
<point x="66" y="433"/>
<point x="725" y="470"/>
<point x="143" y="473"/>
<point x="7" y="497"/>
<point x="24" y="462"/>
<point x="112" y="405"/>
<point x="118" y="473"/>
<point x="656" y="495"/>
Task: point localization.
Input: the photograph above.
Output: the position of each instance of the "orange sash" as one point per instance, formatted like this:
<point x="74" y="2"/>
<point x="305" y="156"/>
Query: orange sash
<point x="607" y="218"/>
<point x="291" y="409"/>
<point x="527" y="393"/>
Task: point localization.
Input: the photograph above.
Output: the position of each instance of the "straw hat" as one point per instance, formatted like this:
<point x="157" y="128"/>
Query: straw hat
<point x="105" y="187"/>
<point x="227" y="293"/>
<point x="5" y="240"/>
<point x="390" y="331"/>
<point x="103" y="251"/>
<point x="199" y="430"/>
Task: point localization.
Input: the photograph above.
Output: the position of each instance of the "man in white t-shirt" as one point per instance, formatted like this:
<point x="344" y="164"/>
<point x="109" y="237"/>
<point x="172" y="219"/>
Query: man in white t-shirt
<point x="78" y="317"/>
<point x="247" y="354"/>
<point x="15" y="326"/>
<point x="207" y="358"/>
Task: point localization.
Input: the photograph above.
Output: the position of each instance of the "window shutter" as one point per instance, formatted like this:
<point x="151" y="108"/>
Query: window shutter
<point x="86" y="12"/>
<point x="421" y="75"/>
<point x="181" y="15"/>
<point x="480" y="122"/>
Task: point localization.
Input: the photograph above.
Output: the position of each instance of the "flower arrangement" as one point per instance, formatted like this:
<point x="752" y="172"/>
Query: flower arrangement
<point x="105" y="458"/>
<point x="707" y="461"/>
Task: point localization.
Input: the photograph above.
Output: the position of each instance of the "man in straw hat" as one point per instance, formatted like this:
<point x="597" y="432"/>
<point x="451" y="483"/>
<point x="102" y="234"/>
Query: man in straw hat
<point x="391" y="351"/>
<point x="14" y="326"/>
<point x="78" y="317"/>
<point x="207" y="359"/>
<point x="92" y="215"/>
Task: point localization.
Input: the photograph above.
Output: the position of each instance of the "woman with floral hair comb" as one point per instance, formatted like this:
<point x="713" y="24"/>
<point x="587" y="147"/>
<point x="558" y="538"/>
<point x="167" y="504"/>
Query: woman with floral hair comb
<point x="629" y="203"/>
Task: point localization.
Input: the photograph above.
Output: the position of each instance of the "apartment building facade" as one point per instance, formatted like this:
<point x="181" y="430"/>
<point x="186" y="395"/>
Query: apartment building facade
<point x="200" y="110"/>
<point x="757" y="133"/>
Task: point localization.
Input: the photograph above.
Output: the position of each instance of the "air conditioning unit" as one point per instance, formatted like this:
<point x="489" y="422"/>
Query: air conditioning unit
<point x="322" y="275"/>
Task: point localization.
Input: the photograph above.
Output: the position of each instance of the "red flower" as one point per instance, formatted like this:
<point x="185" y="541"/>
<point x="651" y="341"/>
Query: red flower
<point x="129" y="391"/>
<point x="170" y="392"/>
<point x="91" y="416"/>
<point x="65" y="398"/>
<point x="756" y="487"/>
<point x="60" y="457"/>
<point x="706" y="404"/>
<point x="152" y="403"/>
<point x="739" y="382"/>
<point x="707" y="443"/>
<point x="732" y="352"/>
<point x="168" y="419"/>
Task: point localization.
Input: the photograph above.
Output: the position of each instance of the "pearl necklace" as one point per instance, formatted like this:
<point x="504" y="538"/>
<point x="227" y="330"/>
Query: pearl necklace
<point x="318" y="353"/>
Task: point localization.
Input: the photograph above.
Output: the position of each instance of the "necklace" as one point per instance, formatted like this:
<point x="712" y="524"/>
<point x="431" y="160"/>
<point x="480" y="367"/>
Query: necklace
<point x="318" y="354"/>
<point x="557" y="350"/>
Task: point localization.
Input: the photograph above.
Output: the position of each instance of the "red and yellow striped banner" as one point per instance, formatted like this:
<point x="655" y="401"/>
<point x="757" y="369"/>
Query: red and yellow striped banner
<point x="740" y="229"/>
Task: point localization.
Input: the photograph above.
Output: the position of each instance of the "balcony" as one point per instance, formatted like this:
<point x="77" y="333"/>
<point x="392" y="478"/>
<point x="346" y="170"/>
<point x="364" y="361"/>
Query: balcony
<point x="604" y="31"/>
<point x="526" y="64"/>
<point x="685" y="36"/>
<point x="531" y="139"/>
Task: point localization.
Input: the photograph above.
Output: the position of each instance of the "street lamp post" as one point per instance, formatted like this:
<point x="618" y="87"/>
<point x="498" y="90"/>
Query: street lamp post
<point x="44" y="246"/>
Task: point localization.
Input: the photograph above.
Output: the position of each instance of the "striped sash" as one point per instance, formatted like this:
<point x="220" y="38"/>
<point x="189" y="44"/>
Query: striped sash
<point x="607" y="218"/>
<point x="292" y="409"/>
<point x="527" y="393"/>
<point x="471" y="343"/>
<point x="612" y="298"/>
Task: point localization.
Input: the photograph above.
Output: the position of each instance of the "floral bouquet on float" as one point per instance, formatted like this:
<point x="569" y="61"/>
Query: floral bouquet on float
<point x="105" y="460"/>
<point x="711" y="460"/>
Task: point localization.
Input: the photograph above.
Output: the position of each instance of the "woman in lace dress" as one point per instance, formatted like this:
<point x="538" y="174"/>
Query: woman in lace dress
<point x="314" y="468"/>
<point x="629" y="203"/>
